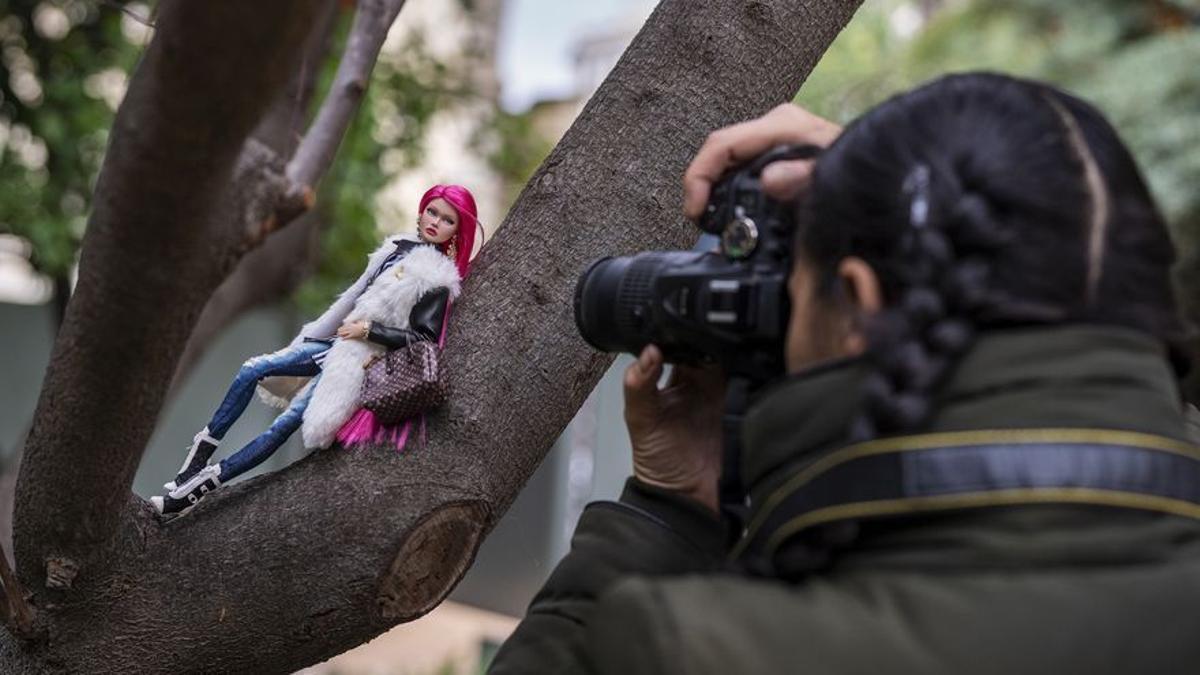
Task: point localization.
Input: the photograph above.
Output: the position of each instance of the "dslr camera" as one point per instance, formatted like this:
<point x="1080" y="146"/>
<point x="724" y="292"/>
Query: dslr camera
<point x="729" y="306"/>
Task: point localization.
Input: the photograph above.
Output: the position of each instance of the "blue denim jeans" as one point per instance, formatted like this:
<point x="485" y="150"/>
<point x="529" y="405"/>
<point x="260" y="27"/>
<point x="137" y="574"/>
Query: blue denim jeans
<point x="296" y="361"/>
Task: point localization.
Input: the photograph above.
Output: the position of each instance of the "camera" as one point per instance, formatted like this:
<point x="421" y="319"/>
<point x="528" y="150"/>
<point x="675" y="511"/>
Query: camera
<point x="729" y="306"/>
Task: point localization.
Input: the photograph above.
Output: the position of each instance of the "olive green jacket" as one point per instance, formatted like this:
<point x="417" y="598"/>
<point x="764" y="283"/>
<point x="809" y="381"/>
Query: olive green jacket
<point x="1058" y="588"/>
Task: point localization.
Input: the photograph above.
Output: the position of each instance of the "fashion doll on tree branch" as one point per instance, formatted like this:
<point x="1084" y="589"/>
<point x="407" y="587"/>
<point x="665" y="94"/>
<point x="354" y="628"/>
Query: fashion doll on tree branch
<point x="402" y="296"/>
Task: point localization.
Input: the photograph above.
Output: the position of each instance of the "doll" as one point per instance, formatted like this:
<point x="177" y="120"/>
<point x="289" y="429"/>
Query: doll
<point x="402" y="296"/>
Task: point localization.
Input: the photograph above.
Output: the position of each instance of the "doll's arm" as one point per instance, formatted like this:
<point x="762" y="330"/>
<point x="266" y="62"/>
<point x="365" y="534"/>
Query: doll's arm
<point x="425" y="322"/>
<point x="326" y="325"/>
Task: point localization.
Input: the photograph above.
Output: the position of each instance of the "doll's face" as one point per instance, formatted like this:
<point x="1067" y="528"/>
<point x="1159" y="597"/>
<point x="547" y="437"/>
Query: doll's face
<point x="438" y="222"/>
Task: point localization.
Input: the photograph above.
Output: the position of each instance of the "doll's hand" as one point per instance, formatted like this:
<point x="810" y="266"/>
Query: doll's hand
<point x="354" y="330"/>
<point x="675" y="431"/>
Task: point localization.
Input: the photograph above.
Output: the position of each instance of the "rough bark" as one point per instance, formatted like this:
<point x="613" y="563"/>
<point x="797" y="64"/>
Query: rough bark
<point x="274" y="270"/>
<point x="291" y="568"/>
<point x="148" y="262"/>
<point x="611" y="187"/>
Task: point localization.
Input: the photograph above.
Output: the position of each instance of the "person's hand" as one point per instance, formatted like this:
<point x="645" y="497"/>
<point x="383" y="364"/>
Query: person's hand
<point x="737" y="144"/>
<point x="675" y="431"/>
<point x="354" y="330"/>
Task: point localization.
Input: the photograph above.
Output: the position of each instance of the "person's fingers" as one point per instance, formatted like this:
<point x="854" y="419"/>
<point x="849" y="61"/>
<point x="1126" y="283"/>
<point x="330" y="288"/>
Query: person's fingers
<point x="786" y="180"/>
<point x="641" y="385"/>
<point x="733" y="145"/>
<point x="723" y="149"/>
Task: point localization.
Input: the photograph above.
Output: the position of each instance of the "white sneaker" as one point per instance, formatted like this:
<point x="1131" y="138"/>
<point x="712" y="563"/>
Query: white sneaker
<point x="202" y="448"/>
<point x="205" y="481"/>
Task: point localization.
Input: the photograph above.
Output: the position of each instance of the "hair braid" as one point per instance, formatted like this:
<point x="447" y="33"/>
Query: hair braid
<point x="942" y="271"/>
<point x="982" y="203"/>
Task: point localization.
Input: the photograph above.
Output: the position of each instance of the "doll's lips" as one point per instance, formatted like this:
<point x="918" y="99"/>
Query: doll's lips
<point x="431" y="231"/>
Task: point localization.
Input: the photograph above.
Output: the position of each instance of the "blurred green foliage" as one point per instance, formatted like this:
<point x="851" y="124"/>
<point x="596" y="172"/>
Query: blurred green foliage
<point x="1137" y="60"/>
<point x="514" y="149"/>
<point x="65" y="68"/>
<point x="64" y="65"/>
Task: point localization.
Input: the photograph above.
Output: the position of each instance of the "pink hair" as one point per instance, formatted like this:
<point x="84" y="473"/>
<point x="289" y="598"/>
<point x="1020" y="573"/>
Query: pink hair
<point x="463" y="202"/>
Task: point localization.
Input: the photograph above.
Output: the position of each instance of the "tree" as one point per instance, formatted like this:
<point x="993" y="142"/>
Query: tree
<point x="290" y="568"/>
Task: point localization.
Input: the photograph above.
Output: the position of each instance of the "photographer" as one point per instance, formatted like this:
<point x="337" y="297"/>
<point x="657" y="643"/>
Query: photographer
<point x="979" y="460"/>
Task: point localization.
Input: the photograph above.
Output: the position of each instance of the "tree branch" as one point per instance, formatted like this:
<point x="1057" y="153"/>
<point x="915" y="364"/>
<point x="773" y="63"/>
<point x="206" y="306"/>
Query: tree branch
<point x="273" y="270"/>
<point x="149" y="260"/>
<point x="372" y="20"/>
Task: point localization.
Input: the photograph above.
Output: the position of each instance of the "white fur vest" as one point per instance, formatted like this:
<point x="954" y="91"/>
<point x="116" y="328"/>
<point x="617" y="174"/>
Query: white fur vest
<point x="389" y="300"/>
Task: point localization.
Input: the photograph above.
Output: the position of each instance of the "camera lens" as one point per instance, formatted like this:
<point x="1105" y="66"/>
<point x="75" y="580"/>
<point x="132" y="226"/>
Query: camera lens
<point x="616" y="308"/>
<point x="596" y="290"/>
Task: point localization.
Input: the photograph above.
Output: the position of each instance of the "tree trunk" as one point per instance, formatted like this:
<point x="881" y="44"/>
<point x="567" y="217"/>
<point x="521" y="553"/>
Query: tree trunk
<point x="288" y="569"/>
<point x="271" y="272"/>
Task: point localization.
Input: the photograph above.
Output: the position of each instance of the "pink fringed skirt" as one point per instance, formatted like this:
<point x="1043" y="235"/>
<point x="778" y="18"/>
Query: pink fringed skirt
<point x="364" y="429"/>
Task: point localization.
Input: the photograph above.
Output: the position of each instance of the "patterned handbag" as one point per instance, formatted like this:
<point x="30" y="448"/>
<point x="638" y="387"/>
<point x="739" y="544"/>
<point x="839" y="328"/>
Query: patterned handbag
<point x="405" y="383"/>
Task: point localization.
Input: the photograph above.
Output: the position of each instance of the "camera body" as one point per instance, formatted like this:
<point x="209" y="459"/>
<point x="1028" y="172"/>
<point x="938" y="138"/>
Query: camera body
<point x="729" y="306"/>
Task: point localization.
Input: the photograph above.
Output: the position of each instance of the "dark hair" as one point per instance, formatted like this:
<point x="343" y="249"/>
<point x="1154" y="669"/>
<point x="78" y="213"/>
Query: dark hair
<point x="981" y="201"/>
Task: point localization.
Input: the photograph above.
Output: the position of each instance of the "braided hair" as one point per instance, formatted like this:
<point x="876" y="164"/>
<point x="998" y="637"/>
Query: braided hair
<point x="982" y="201"/>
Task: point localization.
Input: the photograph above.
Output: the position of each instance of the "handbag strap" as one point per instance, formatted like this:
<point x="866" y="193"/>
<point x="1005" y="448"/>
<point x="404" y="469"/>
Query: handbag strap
<point x="445" y="325"/>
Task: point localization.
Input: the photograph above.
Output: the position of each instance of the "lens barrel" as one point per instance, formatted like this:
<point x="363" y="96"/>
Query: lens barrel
<point x="616" y="307"/>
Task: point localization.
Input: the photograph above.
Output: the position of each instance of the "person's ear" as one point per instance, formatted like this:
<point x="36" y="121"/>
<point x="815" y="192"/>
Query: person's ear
<point x="864" y="299"/>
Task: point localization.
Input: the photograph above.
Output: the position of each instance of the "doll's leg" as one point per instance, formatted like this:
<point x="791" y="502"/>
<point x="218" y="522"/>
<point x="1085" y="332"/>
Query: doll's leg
<point x="210" y="477"/>
<point x="258" y="450"/>
<point x="188" y="492"/>
<point x="296" y="360"/>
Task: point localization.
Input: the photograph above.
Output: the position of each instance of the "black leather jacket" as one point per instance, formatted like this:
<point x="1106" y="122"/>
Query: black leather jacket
<point x="424" y="321"/>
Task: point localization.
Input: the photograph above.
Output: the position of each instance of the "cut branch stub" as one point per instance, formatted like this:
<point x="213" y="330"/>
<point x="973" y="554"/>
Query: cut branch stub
<point x="61" y="573"/>
<point x="433" y="555"/>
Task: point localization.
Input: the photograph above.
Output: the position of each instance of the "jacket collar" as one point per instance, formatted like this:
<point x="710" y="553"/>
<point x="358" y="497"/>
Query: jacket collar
<point x="1076" y="376"/>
